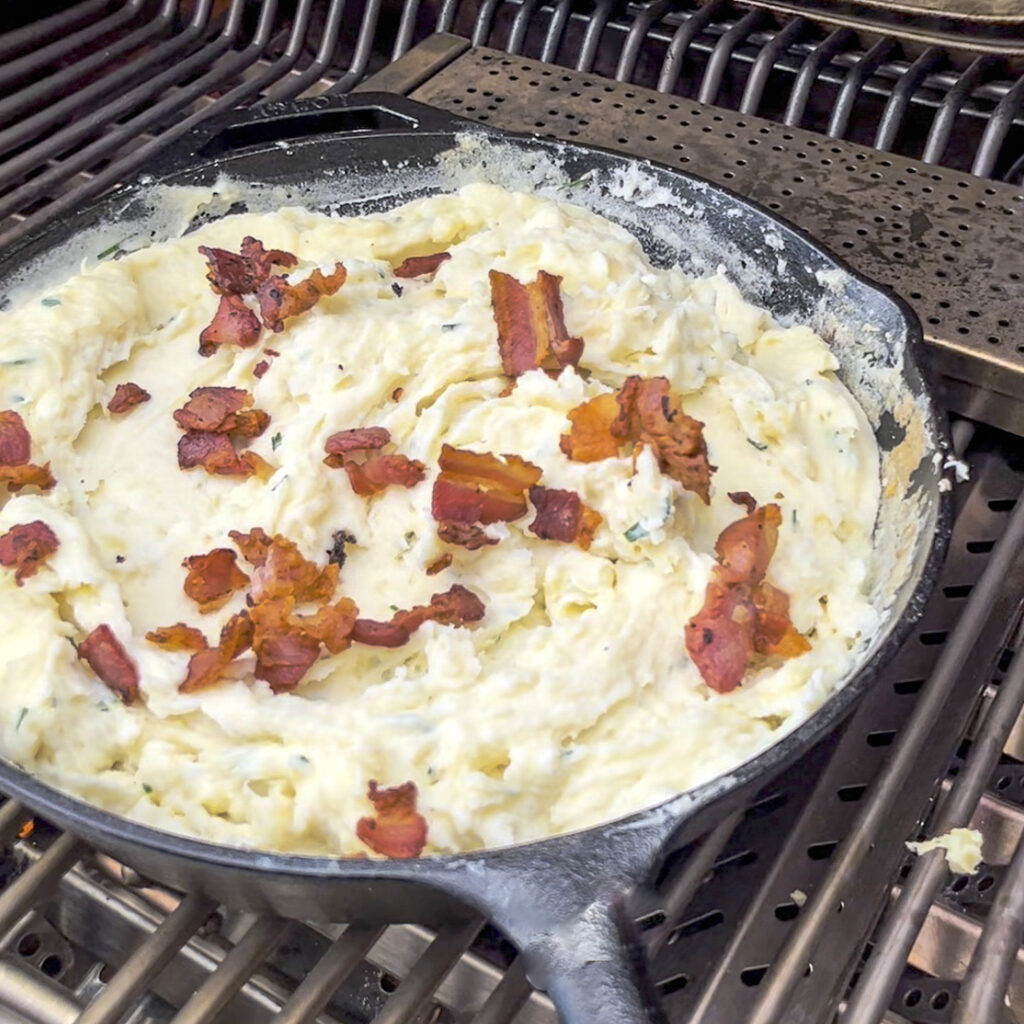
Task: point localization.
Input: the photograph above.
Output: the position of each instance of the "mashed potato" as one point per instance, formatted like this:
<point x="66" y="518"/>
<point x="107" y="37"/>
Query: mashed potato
<point x="573" y="701"/>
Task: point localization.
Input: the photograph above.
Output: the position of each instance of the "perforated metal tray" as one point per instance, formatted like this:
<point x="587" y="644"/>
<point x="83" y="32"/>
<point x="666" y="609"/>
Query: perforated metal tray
<point x="950" y="243"/>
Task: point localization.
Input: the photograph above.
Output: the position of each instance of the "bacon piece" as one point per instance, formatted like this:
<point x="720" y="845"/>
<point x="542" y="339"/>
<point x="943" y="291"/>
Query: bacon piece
<point x="242" y="274"/>
<point x="477" y="487"/>
<point x="561" y="515"/>
<point x="280" y="299"/>
<point x="381" y="471"/>
<point x="332" y="624"/>
<point x="590" y="438"/>
<point x="649" y="412"/>
<point x="106" y="656"/>
<point x="25" y="546"/>
<point x="281" y="570"/>
<point x="126" y="397"/>
<point x="395" y="829"/>
<point x="206" y="666"/>
<point x="457" y="606"/>
<point x="212" y="578"/>
<point x="15" y="448"/>
<point x="742" y="613"/>
<point x="356" y="439"/>
<point x="466" y="535"/>
<point x="284" y="652"/>
<point x="375" y="633"/>
<point x="417" y="266"/>
<point x="234" y="323"/>
<point x="260" y="369"/>
<point x="178" y="637"/>
<point x="439" y="564"/>
<point x="15" y="442"/>
<point x="744" y="498"/>
<point x="219" y="410"/>
<point x="531" y="324"/>
<point x="216" y="454"/>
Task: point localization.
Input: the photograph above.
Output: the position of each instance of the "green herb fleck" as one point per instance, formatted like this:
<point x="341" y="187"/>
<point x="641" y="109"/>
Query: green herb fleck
<point x="448" y="327"/>
<point x="50" y="302"/>
<point x="772" y="721"/>
<point x="22" y="712"/>
<point x="23" y="361"/>
<point x="576" y="182"/>
<point x="303" y="759"/>
<point x="147" y="788"/>
<point x="111" y="250"/>
<point x="410" y="537"/>
<point x="635" y="532"/>
<point x="757" y="444"/>
<point x="393" y="607"/>
<point x="275" y="441"/>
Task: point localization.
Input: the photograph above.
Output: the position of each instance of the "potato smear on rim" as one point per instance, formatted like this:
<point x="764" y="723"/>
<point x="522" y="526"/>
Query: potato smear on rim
<point x="365" y="661"/>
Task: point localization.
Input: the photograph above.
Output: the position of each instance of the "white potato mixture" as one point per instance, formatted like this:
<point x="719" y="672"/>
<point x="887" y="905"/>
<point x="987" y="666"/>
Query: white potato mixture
<point x="573" y="701"/>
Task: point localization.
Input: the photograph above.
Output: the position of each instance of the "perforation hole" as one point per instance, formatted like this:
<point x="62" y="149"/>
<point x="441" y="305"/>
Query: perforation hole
<point x="674" y="984"/>
<point x="696" y="925"/>
<point x="753" y="976"/>
<point x="787" y="911"/>
<point x="851" y="794"/>
<point x="821" y="851"/>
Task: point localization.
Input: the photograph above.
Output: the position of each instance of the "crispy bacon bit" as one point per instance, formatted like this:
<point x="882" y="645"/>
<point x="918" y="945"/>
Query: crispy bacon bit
<point x="206" y="666"/>
<point x="219" y="410"/>
<point x="395" y="829"/>
<point x="466" y="535"/>
<point x="25" y="547"/>
<point x="234" y="323"/>
<point x="531" y="324"/>
<point x="280" y="299"/>
<point x="375" y="633"/>
<point x="178" y="637"/>
<point x="281" y="570"/>
<point x="356" y="439"/>
<point x="439" y="564"/>
<point x="216" y="454"/>
<point x="332" y="624"/>
<point x="650" y="413"/>
<point x="417" y="266"/>
<point x="212" y="578"/>
<point x="396" y="395"/>
<point x="743" y="498"/>
<point x="15" y="448"/>
<point x="590" y="438"/>
<point x="233" y="274"/>
<point x="477" y="487"/>
<point x="105" y="655"/>
<point x="742" y="613"/>
<point x="337" y="553"/>
<point x="126" y="397"/>
<point x="283" y="658"/>
<point x="561" y="515"/>
<point x="260" y="369"/>
<point x="457" y="606"/>
<point x="381" y="471"/>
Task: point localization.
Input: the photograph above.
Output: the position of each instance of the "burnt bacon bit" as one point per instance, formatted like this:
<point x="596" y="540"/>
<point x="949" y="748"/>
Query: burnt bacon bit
<point x="742" y="613"/>
<point x="744" y="499"/>
<point x="24" y="548"/>
<point x="207" y="666"/>
<point x="466" y="535"/>
<point x="212" y="578"/>
<point x="478" y="487"/>
<point x="337" y="554"/>
<point x="126" y="397"/>
<point x="242" y="273"/>
<point x="562" y="516"/>
<point x="531" y="324"/>
<point x="418" y="266"/>
<point x="15" y="450"/>
<point x="234" y="323"/>
<point x="281" y="299"/>
<point x="439" y="564"/>
<point x="179" y="637"/>
<point x="106" y="656"/>
<point x="395" y="829"/>
<point x="642" y="411"/>
<point x="375" y="633"/>
<point x="457" y="606"/>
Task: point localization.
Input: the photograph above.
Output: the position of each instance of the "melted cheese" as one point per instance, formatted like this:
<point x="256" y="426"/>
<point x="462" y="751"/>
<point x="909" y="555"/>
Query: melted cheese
<point x="574" y="700"/>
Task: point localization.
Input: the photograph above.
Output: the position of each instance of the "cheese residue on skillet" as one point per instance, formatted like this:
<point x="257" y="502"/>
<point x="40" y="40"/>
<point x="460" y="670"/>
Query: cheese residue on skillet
<point x="573" y="701"/>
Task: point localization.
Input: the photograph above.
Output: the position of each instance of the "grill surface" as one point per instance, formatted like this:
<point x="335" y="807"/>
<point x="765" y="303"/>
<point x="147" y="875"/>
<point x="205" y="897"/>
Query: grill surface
<point x="802" y="878"/>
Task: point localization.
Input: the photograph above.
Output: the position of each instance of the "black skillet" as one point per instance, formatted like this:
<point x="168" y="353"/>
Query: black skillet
<point x="560" y="900"/>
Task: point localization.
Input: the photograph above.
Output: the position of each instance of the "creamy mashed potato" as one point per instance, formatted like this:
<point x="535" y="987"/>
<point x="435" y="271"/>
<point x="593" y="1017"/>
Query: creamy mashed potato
<point x="573" y="701"/>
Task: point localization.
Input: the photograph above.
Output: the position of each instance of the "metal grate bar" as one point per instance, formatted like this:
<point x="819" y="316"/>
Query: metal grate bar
<point x="810" y="72"/>
<point x="672" y="66"/>
<point x="592" y="38"/>
<point x="718" y="63"/>
<point x="509" y="995"/>
<point x="340" y="960"/>
<point x="997" y="129"/>
<point x="406" y="28"/>
<point x="147" y="961"/>
<point x="232" y="972"/>
<point x="28" y="889"/>
<point x="753" y="91"/>
<point x="556" y="30"/>
<point x="637" y="36"/>
<point x="295" y="85"/>
<point x="899" y="102"/>
<point x="883" y="969"/>
<point x="484" y="19"/>
<point x="12" y="816"/>
<point x="35" y="32"/>
<point x="853" y="83"/>
<point x="952" y="104"/>
<point x="431" y="969"/>
<point x="363" y="51"/>
<point x="521" y="22"/>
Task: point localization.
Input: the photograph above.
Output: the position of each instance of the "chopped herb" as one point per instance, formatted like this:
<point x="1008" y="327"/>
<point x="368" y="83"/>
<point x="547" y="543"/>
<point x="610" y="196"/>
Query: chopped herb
<point x="635" y="532"/>
<point x="279" y="482"/>
<point x="302" y="758"/>
<point x="275" y="441"/>
<point x="111" y="250"/>
<point x="448" y="327"/>
<point x="23" y="361"/>
<point x="102" y="705"/>
<point x="50" y="302"/>
<point x="147" y="788"/>
<point x="794" y="517"/>
<point x="757" y="444"/>
<point x="22" y="712"/>
<point x="576" y="182"/>
<point x="337" y="553"/>
<point x="772" y="721"/>
<point x="431" y="771"/>
<point x="410" y="537"/>
<point x="341" y="367"/>
<point x="119" y="559"/>
<point x="397" y="289"/>
<point x="393" y="607"/>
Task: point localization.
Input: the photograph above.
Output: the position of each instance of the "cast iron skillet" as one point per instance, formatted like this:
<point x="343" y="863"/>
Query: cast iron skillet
<point x="559" y="899"/>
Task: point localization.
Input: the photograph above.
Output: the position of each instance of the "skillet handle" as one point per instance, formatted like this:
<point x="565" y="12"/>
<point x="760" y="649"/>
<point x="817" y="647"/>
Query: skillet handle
<point x="267" y="124"/>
